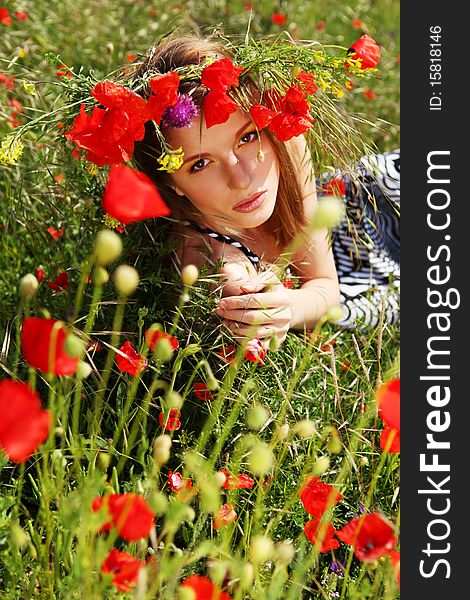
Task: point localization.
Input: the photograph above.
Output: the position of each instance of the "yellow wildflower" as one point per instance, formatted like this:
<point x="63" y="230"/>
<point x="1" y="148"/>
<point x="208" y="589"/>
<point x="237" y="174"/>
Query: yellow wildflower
<point x="92" y="169"/>
<point x="171" y="161"/>
<point x="337" y="91"/>
<point x="29" y="87"/>
<point x="10" y="150"/>
<point x="111" y="222"/>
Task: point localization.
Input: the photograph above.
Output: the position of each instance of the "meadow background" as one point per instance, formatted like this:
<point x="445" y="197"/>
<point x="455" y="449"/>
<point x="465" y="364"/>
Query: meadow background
<point x="50" y="214"/>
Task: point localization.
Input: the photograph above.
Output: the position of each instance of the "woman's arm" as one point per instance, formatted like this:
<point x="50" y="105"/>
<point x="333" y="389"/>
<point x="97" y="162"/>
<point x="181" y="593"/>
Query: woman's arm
<point x="276" y="309"/>
<point x="313" y="258"/>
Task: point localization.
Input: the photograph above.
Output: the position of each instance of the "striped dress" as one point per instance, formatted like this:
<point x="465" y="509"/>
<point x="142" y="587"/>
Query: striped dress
<point x="365" y="245"/>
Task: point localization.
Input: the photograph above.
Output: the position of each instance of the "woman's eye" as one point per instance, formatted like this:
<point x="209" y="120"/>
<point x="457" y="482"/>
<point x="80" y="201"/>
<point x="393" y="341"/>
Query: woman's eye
<point x="199" y="166"/>
<point x="249" y="137"/>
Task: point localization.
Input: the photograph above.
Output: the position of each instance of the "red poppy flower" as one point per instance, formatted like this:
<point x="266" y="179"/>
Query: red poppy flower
<point x="235" y="482"/>
<point x="317" y="496"/>
<point x="335" y="187"/>
<point x="130" y="56"/>
<point x="152" y="337"/>
<point x="132" y="196"/>
<point x="390" y="440"/>
<point x="255" y="351"/>
<point x="129" y="513"/>
<point x="221" y="75"/>
<point x="278" y="18"/>
<point x="55" y="233"/>
<point x="308" y="82"/>
<point x="388" y="399"/>
<point x="109" y="135"/>
<point x="40" y="273"/>
<point x="367" y="50"/>
<point x="202" y="392"/>
<point x="312" y="530"/>
<point x="16" y="104"/>
<point x="394" y="556"/>
<point x="24" y="424"/>
<point x="60" y="283"/>
<point x="295" y="117"/>
<point x="104" y="134"/>
<point x="42" y="343"/>
<point x="369" y="94"/>
<point x="224" y="516"/>
<point x="371" y="535"/>
<point x="5" y="18"/>
<point x="21" y="15"/>
<point x="357" y="23"/>
<point x="63" y="71"/>
<point x="172" y="422"/>
<point x="217" y="108"/>
<point x="272" y="99"/>
<point x="320" y="25"/>
<point x="261" y="116"/>
<point x="204" y="588"/>
<point x="165" y="93"/>
<point x="178" y="483"/>
<point x="114" y="96"/>
<point x="124" y="568"/>
<point x="133" y="362"/>
<point x="8" y="81"/>
<point x="228" y="353"/>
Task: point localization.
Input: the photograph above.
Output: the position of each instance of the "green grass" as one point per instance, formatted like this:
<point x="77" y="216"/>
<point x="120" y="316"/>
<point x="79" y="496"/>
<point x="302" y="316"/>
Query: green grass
<point x="49" y="541"/>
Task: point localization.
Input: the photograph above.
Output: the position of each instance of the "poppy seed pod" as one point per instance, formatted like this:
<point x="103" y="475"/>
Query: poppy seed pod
<point x="73" y="345"/>
<point x="83" y="370"/>
<point x="261" y="459"/>
<point x="161" y="449"/>
<point x="261" y="548"/>
<point x="284" y="551"/>
<point x="163" y="350"/>
<point x="329" y="213"/>
<point x="126" y="279"/>
<point x="158" y="503"/>
<point x="305" y="428"/>
<point x="321" y="466"/>
<point x="186" y="593"/>
<point x="100" y="276"/>
<point x="189" y="275"/>
<point x="334" y="313"/>
<point x="257" y="417"/>
<point x="108" y="247"/>
<point x="283" y="432"/>
<point x="28" y="286"/>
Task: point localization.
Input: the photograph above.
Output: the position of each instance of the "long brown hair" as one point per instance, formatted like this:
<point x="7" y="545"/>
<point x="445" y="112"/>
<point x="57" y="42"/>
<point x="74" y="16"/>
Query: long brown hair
<point x="288" y="217"/>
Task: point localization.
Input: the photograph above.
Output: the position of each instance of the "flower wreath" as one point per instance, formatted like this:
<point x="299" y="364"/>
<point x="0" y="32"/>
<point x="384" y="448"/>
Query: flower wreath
<point x="298" y="87"/>
<point x="288" y="76"/>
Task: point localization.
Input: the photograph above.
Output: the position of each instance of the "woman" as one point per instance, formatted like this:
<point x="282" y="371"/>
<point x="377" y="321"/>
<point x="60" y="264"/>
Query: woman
<point x="246" y="198"/>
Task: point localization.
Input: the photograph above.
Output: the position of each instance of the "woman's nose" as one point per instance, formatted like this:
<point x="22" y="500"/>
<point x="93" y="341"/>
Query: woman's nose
<point x="240" y="172"/>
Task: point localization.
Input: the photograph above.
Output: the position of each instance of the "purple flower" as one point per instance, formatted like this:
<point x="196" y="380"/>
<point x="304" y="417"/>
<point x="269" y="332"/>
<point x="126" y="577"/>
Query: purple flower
<point x="181" y="113"/>
<point x="337" y="567"/>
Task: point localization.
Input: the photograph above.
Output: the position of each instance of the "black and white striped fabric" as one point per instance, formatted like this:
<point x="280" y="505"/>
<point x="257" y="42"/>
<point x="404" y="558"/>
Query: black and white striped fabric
<point x="252" y="257"/>
<point x="366" y="244"/>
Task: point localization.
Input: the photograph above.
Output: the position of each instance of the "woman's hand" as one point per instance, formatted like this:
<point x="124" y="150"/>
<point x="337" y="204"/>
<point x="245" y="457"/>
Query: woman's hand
<point x="262" y="311"/>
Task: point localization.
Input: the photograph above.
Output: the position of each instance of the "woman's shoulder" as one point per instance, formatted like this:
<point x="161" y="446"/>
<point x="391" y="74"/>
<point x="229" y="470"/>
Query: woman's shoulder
<point x="199" y="248"/>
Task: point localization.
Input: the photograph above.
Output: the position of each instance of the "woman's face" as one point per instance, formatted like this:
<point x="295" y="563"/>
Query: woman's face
<point x="222" y="176"/>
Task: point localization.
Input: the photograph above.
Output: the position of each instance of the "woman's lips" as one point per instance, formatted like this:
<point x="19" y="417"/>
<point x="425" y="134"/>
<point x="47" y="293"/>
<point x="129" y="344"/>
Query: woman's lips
<point x="256" y="201"/>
